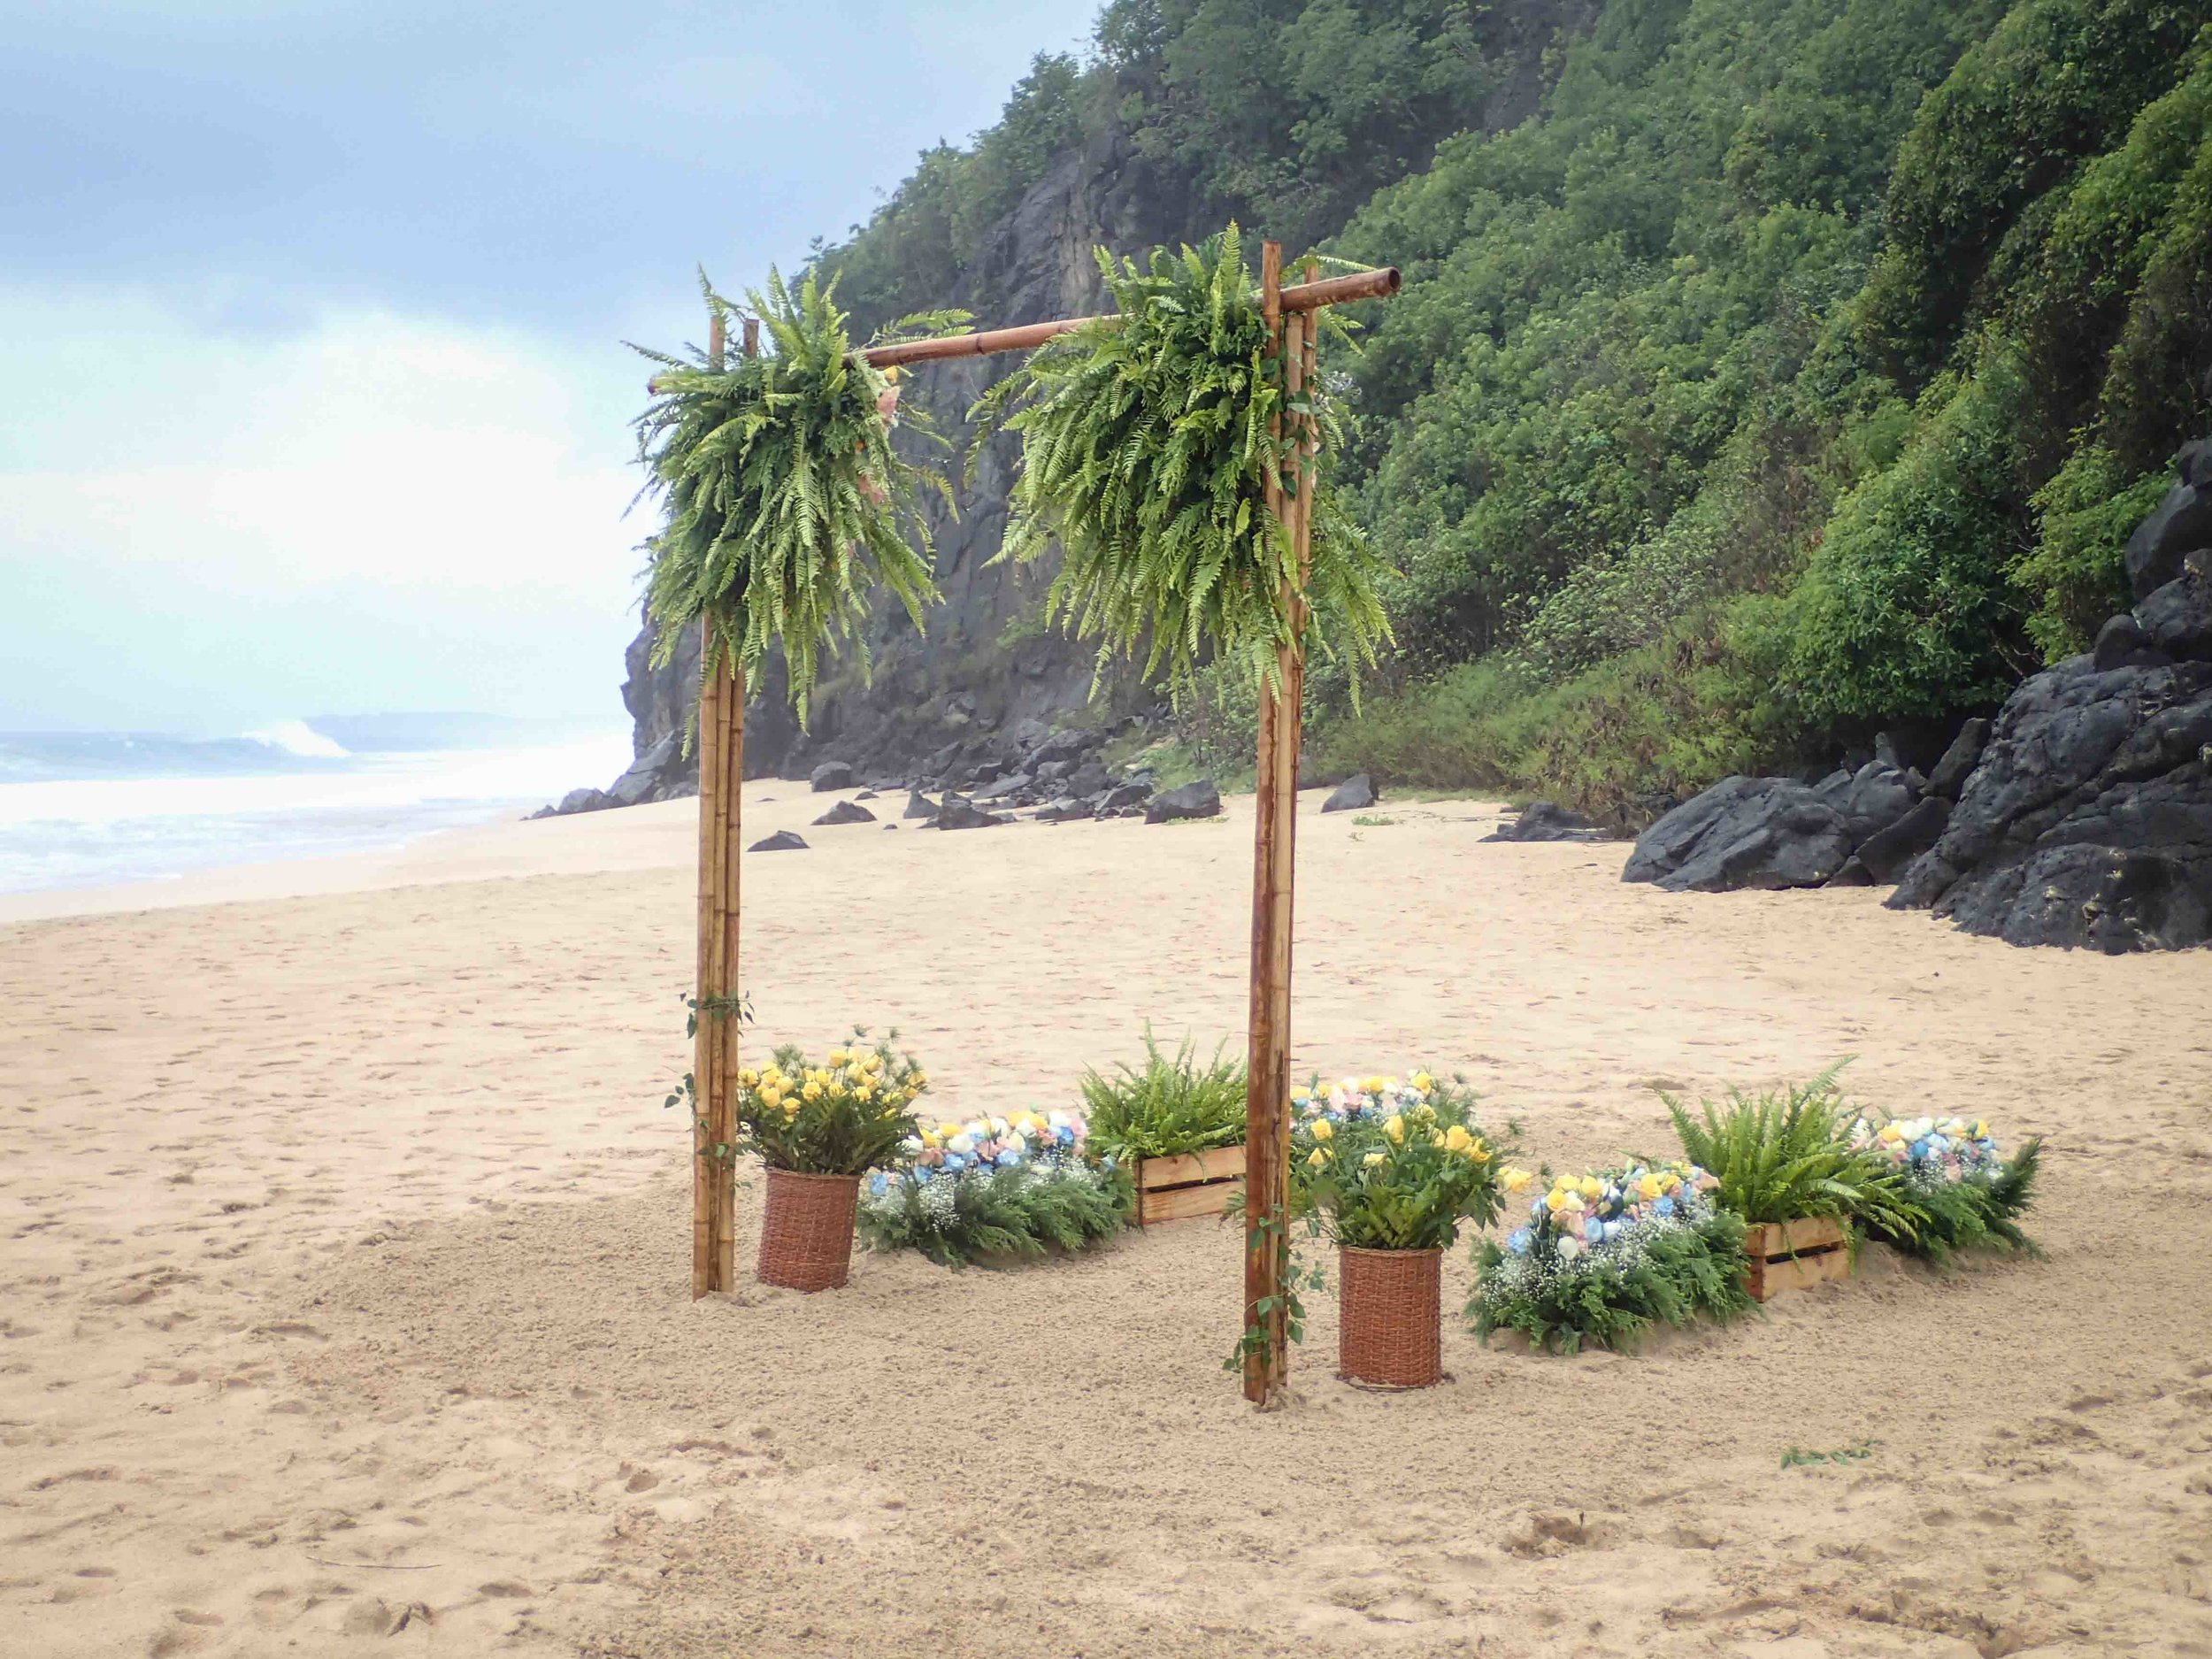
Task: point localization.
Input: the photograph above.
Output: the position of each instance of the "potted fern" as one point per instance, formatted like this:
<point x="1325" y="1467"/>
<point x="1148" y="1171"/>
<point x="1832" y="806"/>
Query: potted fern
<point x="1389" y="1172"/>
<point x="1176" y="1124"/>
<point x="1786" y="1163"/>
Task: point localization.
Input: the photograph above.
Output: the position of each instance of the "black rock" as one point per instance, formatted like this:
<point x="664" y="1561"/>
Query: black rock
<point x="919" y="805"/>
<point x="644" y="778"/>
<point x="1854" y="874"/>
<point x="847" y="812"/>
<point x="2089" y="821"/>
<point x="1065" y="810"/>
<point x="1885" y="854"/>
<point x="1088" y="779"/>
<point x="1352" y="794"/>
<point x="1122" y="798"/>
<point x="2176" y="620"/>
<point x="583" y="801"/>
<point x="1744" y="833"/>
<point x="957" y="814"/>
<point x="1191" y="800"/>
<point x="2181" y="525"/>
<point x="831" y="774"/>
<point x="865" y="794"/>
<point x="781" y="842"/>
<point x="1950" y="773"/>
<point x="1871" y="798"/>
<point x="2119" y="643"/>
<point x="1545" y="821"/>
<point x="1004" y="789"/>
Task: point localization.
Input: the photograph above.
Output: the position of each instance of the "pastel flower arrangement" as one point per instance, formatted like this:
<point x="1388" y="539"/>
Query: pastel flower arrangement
<point x="1605" y="1256"/>
<point x="991" y="1187"/>
<point x="1384" y="1164"/>
<point x="1960" y="1191"/>
<point x="1931" y="1150"/>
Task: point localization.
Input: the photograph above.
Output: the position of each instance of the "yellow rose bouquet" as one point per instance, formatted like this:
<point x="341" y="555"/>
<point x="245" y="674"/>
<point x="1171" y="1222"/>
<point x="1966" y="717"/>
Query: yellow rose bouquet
<point x="843" y="1117"/>
<point x="1385" y="1164"/>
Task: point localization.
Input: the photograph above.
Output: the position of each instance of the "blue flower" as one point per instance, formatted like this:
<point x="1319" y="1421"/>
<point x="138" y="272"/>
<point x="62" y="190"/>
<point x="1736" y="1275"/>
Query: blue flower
<point x="954" y="1161"/>
<point x="1664" y="1207"/>
<point x="1518" y="1241"/>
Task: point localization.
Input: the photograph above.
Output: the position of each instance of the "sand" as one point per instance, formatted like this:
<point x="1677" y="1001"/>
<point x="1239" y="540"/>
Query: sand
<point x="345" y="1305"/>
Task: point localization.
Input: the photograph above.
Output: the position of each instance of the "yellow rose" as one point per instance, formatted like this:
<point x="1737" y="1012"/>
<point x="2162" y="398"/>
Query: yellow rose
<point x="791" y="1106"/>
<point x="929" y="1137"/>
<point x="1437" y="1141"/>
<point x="1394" y="1127"/>
<point x="1422" y="1081"/>
<point x="872" y="1064"/>
<point x="1518" y="1180"/>
<point x="1322" y="1129"/>
<point x="772" y="1095"/>
<point x="918" y="1082"/>
<point x="748" y="1079"/>
<point x="837" y="1056"/>
<point x="1556" y="1199"/>
<point x="1371" y="1086"/>
<point x="1372" y="1159"/>
<point x="1317" y="1158"/>
<point x="1648" y="1188"/>
<point x="1592" y="1187"/>
<point x="1457" y="1138"/>
<point x="812" y="1090"/>
<point x="1479" y="1153"/>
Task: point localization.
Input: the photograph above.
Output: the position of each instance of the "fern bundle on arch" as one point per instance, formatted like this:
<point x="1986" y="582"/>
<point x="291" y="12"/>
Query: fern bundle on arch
<point x="1148" y="441"/>
<point x="785" y="501"/>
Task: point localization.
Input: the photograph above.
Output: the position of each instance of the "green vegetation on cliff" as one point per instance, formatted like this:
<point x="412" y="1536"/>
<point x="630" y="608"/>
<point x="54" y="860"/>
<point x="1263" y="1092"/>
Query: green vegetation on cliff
<point x="1767" y="370"/>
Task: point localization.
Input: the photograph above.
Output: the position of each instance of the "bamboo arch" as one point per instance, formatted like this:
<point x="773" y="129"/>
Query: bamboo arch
<point x="1291" y="327"/>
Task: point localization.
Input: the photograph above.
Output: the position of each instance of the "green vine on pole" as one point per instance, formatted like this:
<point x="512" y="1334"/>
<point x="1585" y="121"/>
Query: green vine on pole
<point x="737" y="1006"/>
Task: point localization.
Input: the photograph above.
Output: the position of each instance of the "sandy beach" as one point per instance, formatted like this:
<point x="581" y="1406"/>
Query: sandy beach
<point x="346" y="1305"/>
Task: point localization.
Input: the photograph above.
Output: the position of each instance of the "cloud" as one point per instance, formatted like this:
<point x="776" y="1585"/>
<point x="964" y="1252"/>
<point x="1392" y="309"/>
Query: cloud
<point x="369" y="464"/>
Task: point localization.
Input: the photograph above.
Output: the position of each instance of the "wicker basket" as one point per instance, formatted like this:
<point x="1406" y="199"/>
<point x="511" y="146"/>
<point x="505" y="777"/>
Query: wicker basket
<point x="806" y="1230"/>
<point x="1390" y="1321"/>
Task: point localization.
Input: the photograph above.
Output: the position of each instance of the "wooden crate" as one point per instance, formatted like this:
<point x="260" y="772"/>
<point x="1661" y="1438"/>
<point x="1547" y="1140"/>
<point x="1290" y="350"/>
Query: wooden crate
<point x="1199" y="1184"/>
<point x="1794" y="1255"/>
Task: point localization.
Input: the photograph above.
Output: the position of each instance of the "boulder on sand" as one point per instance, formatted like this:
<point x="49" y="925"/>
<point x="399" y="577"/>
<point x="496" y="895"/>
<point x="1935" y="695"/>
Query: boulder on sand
<point x="957" y="814"/>
<point x="831" y="774"/>
<point x="781" y="842"/>
<point x="1193" y="799"/>
<point x="1353" y="794"/>
<point x="847" y="812"/>
<point x="1744" y="833"/>
<point x="1545" y="821"/>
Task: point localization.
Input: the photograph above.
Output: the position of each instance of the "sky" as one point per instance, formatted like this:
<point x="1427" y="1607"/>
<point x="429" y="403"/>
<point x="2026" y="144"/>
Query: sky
<point x="311" y="320"/>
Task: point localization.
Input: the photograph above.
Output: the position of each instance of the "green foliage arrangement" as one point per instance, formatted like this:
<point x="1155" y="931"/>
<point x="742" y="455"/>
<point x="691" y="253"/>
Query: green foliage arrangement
<point x="1170" y="1108"/>
<point x="1785" y="1155"/>
<point x="1960" y="1193"/>
<point x="785" y="501"/>
<point x="1148" y="450"/>
<point x="842" y="1118"/>
<point x="1677" y="1258"/>
<point x="1393" y="1167"/>
<point x="1011" y="1214"/>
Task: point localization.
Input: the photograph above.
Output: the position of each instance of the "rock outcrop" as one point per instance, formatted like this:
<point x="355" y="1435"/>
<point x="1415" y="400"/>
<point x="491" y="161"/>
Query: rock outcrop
<point x="1548" y="821"/>
<point x="2087" y="821"/>
<point x="1774" y="832"/>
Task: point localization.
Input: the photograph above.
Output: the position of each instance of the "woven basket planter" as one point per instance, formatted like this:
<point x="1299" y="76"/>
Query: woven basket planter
<point x="1390" y="1316"/>
<point x="806" y="1230"/>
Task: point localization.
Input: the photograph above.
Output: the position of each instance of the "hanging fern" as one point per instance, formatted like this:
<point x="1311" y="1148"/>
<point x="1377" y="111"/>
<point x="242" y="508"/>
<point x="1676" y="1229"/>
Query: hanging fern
<point x="785" y="502"/>
<point x="1147" y="449"/>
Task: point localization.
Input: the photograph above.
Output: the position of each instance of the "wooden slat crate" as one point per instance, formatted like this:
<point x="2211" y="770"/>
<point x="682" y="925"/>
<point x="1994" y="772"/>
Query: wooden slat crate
<point x="1199" y="1184"/>
<point x="1795" y="1255"/>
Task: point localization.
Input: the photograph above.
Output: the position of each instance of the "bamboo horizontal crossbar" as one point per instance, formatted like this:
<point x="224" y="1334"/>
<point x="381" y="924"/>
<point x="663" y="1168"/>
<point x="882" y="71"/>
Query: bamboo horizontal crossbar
<point x="1306" y="297"/>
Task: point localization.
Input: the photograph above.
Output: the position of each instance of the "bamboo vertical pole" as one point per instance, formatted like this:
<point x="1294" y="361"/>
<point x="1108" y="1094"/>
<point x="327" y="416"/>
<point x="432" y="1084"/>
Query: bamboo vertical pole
<point x="715" y="1042"/>
<point x="1266" y="1101"/>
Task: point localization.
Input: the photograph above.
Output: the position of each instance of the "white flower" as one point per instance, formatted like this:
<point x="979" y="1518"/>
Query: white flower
<point x="962" y="1143"/>
<point x="1570" y="1247"/>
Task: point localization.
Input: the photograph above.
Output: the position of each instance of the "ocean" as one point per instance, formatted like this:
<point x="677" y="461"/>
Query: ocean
<point x="89" y="808"/>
